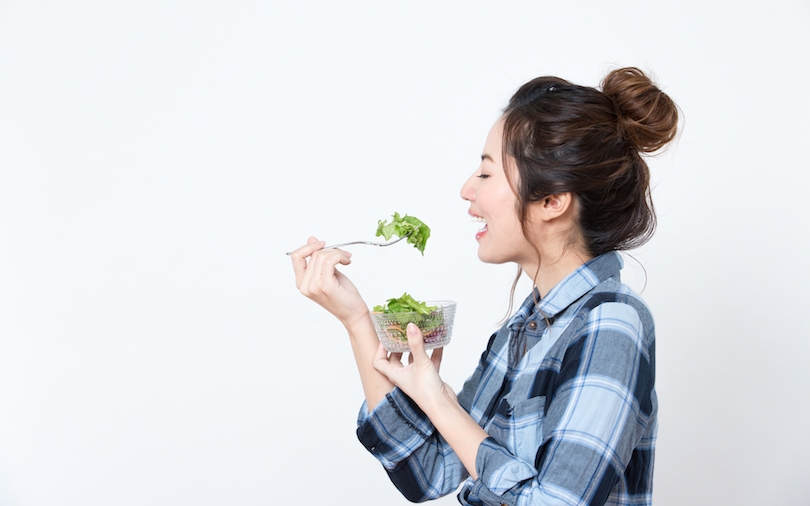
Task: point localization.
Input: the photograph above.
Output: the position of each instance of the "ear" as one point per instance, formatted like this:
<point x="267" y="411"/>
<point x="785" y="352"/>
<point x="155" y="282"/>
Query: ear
<point x="555" y="206"/>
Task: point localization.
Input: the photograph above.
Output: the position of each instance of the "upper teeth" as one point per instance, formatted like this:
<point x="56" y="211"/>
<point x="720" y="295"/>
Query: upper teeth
<point x="478" y="219"/>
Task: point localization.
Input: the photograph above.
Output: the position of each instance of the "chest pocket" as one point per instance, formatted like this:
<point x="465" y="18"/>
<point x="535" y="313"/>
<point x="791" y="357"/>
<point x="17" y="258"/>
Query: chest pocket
<point x="519" y="427"/>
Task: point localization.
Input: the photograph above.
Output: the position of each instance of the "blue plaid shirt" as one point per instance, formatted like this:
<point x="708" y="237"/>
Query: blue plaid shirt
<point x="570" y="410"/>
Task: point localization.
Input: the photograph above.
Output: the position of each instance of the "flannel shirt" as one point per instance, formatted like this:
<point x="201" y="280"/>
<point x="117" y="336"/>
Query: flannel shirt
<point x="570" y="409"/>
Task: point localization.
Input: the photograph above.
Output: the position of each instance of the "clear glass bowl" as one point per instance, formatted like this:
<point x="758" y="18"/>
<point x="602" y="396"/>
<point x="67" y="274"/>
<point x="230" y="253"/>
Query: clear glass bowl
<point x="436" y="326"/>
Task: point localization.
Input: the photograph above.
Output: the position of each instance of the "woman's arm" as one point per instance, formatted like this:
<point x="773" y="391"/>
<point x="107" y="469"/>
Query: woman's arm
<point x="418" y="459"/>
<point x="590" y="422"/>
<point x="317" y="277"/>
<point x="420" y="380"/>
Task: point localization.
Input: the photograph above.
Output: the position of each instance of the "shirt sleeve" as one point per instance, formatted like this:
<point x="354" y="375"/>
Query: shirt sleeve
<point x="418" y="460"/>
<point x="598" y="425"/>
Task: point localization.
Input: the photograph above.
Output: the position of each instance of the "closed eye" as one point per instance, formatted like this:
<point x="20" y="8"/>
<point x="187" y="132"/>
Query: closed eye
<point x="483" y="176"/>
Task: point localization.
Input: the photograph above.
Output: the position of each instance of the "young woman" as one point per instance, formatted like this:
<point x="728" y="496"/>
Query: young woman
<point x="561" y="408"/>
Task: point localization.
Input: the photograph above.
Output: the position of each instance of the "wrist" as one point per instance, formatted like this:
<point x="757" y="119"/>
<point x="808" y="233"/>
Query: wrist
<point x="357" y="322"/>
<point x="441" y="404"/>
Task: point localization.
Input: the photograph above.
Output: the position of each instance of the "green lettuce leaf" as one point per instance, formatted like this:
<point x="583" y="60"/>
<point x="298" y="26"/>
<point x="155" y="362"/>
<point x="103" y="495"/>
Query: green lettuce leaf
<point x="400" y="312"/>
<point x="405" y="226"/>
<point x="404" y="304"/>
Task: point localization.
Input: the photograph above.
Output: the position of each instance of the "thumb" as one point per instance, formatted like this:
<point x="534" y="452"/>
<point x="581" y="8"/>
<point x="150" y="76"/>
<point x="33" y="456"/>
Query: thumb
<point x="415" y="341"/>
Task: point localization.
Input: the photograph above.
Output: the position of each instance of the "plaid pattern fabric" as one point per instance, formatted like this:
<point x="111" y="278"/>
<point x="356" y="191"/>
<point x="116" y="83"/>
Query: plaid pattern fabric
<point x="570" y="410"/>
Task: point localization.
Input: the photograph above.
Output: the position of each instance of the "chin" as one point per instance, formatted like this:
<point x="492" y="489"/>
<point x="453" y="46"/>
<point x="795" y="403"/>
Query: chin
<point x="490" y="258"/>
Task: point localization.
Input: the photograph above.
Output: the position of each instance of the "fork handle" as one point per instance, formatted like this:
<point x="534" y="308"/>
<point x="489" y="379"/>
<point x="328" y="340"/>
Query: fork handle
<point x="369" y="243"/>
<point x="349" y="244"/>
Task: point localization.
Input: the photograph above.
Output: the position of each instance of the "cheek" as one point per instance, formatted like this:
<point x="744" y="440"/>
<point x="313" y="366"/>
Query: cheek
<point x="506" y="203"/>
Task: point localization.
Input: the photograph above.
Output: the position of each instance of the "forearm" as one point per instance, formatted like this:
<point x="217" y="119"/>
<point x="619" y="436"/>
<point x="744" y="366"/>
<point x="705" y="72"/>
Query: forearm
<point x="364" y="342"/>
<point x="417" y="458"/>
<point x="460" y="431"/>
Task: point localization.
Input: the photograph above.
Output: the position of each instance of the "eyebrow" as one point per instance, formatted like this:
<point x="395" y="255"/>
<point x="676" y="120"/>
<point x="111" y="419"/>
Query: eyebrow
<point x="487" y="157"/>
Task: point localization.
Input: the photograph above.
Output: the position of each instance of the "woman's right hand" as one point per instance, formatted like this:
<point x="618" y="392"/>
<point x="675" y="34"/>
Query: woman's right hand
<point x="317" y="277"/>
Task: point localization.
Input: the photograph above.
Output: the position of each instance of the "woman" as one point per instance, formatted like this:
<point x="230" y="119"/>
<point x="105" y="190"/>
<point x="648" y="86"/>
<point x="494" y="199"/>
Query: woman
<point x="562" y="407"/>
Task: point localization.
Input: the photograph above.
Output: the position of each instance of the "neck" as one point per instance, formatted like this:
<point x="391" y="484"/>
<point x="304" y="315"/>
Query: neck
<point x="554" y="267"/>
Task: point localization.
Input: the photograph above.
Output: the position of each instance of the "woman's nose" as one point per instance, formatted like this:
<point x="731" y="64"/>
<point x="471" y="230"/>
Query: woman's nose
<point x="467" y="193"/>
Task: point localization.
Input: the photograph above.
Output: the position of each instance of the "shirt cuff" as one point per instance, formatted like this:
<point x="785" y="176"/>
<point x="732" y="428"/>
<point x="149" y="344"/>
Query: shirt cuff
<point x="498" y="470"/>
<point x="393" y="429"/>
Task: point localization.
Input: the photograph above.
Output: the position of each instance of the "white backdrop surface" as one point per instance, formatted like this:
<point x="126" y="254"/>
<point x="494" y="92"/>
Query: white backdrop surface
<point x="157" y="158"/>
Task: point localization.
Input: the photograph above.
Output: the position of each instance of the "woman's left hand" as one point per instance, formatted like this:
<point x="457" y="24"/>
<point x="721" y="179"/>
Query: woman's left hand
<point x="419" y="379"/>
<point x="421" y="382"/>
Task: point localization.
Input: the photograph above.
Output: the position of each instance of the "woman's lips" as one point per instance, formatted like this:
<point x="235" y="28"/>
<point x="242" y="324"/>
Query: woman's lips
<point x="479" y="219"/>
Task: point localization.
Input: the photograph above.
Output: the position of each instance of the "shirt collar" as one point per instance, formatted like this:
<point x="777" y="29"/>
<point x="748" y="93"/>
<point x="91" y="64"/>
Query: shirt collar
<point x="570" y="289"/>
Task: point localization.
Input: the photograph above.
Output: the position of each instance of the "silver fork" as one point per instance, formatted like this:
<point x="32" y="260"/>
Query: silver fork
<point x="369" y="243"/>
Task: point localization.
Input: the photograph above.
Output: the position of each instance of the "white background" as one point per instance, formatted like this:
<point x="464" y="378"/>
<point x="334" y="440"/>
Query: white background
<point x="157" y="158"/>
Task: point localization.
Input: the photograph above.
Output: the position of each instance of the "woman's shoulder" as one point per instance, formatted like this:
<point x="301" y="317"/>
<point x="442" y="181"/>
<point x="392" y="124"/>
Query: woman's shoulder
<point x="613" y="306"/>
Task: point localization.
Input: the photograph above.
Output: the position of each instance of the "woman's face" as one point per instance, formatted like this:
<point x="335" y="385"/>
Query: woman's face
<point x="492" y="203"/>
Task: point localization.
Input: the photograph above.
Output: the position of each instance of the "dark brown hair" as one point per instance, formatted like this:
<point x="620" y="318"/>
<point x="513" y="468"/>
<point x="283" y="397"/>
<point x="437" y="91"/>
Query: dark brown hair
<point x="569" y="138"/>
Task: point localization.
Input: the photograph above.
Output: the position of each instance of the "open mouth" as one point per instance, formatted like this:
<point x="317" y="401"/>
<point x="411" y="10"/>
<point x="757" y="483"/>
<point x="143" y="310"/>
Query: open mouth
<point x="480" y="220"/>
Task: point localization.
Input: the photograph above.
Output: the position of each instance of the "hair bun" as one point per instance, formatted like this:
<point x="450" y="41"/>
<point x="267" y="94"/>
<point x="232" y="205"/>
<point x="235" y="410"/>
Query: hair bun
<point x="647" y="116"/>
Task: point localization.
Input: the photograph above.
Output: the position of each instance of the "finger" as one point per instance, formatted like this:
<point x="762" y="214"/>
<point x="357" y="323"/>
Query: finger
<point x="416" y="343"/>
<point x="312" y="244"/>
<point x="322" y="263"/>
<point x="299" y="256"/>
<point x="320" y="272"/>
<point x="381" y="352"/>
<point x="436" y="357"/>
<point x="381" y="360"/>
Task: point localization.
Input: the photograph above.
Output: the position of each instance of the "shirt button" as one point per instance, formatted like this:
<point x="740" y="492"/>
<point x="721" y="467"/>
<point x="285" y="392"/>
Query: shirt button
<point x="532" y="325"/>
